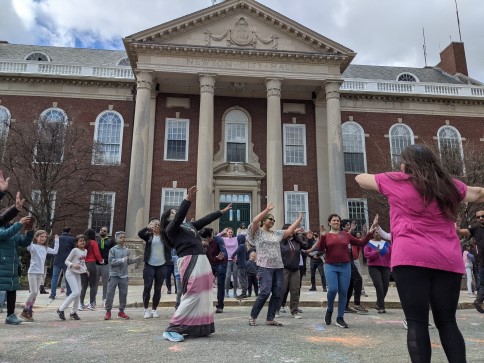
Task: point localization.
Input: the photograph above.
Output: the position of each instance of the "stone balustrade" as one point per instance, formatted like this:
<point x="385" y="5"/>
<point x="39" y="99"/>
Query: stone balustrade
<point x="438" y="89"/>
<point x="50" y="68"/>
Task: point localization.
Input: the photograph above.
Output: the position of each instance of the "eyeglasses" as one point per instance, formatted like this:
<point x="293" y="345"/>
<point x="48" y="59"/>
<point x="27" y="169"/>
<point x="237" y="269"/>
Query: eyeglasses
<point x="479" y="217"/>
<point x="271" y="219"/>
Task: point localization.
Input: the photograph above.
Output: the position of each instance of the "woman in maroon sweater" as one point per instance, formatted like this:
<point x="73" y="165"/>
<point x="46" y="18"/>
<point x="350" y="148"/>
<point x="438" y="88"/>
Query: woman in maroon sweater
<point x="338" y="265"/>
<point x="90" y="278"/>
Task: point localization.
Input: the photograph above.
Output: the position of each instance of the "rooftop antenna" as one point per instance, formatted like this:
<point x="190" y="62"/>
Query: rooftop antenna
<point x="424" y="47"/>
<point x="213" y="2"/>
<point x="458" y="21"/>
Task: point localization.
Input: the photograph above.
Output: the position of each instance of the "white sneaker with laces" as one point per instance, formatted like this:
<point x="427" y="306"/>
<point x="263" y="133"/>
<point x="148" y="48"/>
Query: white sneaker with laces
<point x="154" y="314"/>
<point x="296" y="316"/>
<point x="146" y="314"/>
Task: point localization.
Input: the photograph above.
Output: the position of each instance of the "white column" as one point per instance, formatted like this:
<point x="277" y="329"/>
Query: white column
<point x="138" y="203"/>
<point x="324" y="194"/>
<point x="336" y="171"/>
<point x="205" y="202"/>
<point x="275" y="187"/>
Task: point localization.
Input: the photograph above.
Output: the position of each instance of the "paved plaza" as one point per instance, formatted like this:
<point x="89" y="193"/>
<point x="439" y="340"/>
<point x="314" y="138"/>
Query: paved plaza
<point x="370" y="338"/>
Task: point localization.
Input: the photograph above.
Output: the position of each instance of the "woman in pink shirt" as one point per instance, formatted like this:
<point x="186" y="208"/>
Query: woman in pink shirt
<point x="426" y="253"/>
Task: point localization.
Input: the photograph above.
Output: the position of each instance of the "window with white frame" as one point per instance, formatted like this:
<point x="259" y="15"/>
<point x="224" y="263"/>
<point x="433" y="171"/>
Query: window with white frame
<point x="358" y="212"/>
<point x="294" y="203"/>
<point x="236" y="136"/>
<point x="407" y="77"/>
<point x="171" y="198"/>
<point x="294" y="144"/>
<point x="124" y="62"/>
<point x="176" y="139"/>
<point x="38" y="57"/>
<point x="51" y="128"/>
<point x="401" y="136"/>
<point x="450" y="148"/>
<point x="108" y="138"/>
<point x="4" y="127"/>
<point x="354" y="147"/>
<point x="43" y="206"/>
<point x="101" y="211"/>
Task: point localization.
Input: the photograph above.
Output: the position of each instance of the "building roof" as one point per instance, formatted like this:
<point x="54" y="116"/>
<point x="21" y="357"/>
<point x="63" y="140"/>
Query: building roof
<point x="387" y="73"/>
<point x="63" y="55"/>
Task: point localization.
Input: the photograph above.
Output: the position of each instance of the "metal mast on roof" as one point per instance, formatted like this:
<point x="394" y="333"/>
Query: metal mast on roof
<point x="458" y="21"/>
<point x="424" y="46"/>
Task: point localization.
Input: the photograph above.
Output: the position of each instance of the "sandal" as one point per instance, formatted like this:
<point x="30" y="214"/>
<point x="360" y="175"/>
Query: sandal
<point x="273" y="323"/>
<point x="252" y="322"/>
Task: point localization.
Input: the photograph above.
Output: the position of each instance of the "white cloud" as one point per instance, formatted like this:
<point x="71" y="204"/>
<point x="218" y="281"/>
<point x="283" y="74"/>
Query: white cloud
<point x="385" y="32"/>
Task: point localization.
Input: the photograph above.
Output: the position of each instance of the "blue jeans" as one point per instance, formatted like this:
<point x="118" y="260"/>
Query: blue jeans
<point x="271" y="280"/>
<point x="56" y="270"/>
<point x="338" y="277"/>
<point x="220" y="270"/>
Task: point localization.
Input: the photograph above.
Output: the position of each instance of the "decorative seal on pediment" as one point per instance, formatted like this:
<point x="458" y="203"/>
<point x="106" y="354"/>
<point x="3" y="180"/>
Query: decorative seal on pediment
<point x="241" y="35"/>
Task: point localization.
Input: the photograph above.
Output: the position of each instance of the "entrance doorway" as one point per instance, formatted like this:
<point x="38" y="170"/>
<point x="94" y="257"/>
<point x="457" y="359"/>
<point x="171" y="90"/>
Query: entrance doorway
<point x="240" y="212"/>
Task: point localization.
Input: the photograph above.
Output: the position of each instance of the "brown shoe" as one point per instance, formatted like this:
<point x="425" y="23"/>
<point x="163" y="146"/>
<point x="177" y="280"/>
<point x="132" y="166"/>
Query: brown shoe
<point x="27" y="315"/>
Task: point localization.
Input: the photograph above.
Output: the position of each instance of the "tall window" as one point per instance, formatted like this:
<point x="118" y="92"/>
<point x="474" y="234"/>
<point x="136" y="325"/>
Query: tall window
<point x="358" y="212"/>
<point x="171" y="198"/>
<point x="176" y="139"/>
<point x="52" y="127"/>
<point x="108" y="137"/>
<point x="401" y="136"/>
<point x="101" y="212"/>
<point x="354" y="147"/>
<point x="4" y="126"/>
<point x="294" y="144"/>
<point x="450" y="147"/>
<point x="236" y="130"/>
<point x="296" y="202"/>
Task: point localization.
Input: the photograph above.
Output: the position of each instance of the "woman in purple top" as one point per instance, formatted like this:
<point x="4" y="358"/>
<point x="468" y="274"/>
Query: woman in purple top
<point x="378" y="254"/>
<point x="426" y="254"/>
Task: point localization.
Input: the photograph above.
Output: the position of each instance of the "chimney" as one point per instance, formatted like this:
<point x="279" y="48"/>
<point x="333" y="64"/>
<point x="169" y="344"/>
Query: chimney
<point x="453" y="59"/>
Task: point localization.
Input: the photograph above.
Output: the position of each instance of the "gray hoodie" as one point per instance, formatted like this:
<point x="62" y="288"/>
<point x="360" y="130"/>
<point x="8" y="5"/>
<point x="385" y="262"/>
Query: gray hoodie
<point x="119" y="261"/>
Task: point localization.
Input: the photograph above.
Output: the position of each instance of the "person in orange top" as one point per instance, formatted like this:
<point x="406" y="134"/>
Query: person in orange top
<point x="92" y="278"/>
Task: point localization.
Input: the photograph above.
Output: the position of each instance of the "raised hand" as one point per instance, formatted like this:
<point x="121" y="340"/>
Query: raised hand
<point x="225" y="210"/>
<point x="269" y="207"/>
<point x="191" y="193"/>
<point x="3" y="182"/>
<point x="25" y="220"/>
<point x="375" y="221"/>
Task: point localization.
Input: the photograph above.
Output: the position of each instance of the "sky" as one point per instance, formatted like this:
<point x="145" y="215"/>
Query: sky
<point x="381" y="32"/>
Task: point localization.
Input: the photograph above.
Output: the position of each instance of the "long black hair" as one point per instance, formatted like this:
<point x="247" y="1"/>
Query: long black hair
<point x="430" y="179"/>
<point x="164" y="221"/>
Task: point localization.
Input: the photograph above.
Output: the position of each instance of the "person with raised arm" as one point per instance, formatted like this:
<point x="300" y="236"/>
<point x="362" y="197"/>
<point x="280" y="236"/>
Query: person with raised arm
<point x="269" y="262"/>
<point x="426" y="251"/>
<point x="195" y="315"/>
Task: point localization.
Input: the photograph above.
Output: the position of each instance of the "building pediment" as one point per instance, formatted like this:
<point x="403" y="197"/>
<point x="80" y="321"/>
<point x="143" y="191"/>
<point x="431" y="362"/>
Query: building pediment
<point x="237" y="171"/>
<point x="239" y="25"/>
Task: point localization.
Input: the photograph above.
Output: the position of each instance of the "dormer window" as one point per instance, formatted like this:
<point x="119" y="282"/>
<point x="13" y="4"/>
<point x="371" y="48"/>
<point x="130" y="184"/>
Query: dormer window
<point x="407" y="77"/>
<point x="124" y="62"/>
<point x="38" y="57"/>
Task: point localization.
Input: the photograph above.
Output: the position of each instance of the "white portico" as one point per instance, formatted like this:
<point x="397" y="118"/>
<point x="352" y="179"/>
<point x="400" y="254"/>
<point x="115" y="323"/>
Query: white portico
<point x="238" y="48"/>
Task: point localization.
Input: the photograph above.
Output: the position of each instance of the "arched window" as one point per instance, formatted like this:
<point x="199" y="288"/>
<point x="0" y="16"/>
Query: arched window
<point x="450" y="147"/>
<point x="38" y="57"/>
<point x="407" y="77"/>
<point x="354" y="147"/>
<point x="4" y="127"/>
<point x="124" y="62"/>
<point x="401" y="136"/>
<point x="236" y="136"/>
<point x="108" y="138"/>
<point x="52" y="127"/>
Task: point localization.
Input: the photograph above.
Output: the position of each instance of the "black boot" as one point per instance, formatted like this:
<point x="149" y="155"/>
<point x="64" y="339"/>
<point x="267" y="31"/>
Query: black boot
<point x="43" y="290"/>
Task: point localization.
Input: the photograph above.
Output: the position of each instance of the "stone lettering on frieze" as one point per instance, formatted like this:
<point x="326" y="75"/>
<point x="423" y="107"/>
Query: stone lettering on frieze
<point x="241" y="65"/>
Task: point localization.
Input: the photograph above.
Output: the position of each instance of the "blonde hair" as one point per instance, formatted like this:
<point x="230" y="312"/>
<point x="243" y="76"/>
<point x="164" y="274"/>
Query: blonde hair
<point x="39" y="233"/>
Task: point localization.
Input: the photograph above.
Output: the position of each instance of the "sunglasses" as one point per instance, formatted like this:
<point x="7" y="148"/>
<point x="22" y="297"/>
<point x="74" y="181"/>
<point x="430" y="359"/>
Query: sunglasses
<point x="271" y="219"/>
<point x="479" y="217"/>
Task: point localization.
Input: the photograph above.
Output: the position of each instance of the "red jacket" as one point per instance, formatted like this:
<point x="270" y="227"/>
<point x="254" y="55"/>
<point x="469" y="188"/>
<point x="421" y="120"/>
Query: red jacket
<point x="93" y="253"/>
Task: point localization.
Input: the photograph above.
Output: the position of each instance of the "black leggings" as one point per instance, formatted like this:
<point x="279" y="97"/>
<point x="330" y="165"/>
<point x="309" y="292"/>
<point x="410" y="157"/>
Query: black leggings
<point x="11" y="300"/>
<point x="356" y="284"/>
<point x="150" y="274"/>
<point x="419" y="287"/>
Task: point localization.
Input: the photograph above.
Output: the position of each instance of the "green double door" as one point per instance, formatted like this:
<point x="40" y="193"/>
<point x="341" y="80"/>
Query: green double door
<point x="240" y="213"/>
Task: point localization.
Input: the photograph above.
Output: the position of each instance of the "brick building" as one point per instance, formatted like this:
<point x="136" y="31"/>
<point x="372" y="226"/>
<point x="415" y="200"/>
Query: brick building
<point x="243" y="102"/>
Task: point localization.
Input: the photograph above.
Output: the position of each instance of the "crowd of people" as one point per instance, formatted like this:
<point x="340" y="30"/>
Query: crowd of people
<point x="270" y="263"/>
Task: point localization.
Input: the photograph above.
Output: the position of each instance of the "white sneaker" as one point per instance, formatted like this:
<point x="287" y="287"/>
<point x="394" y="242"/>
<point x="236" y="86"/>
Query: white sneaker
<point x="296" y="316"/>
<point x="146" y="314"/>
<point x="104" y="303"/>
<point x="81" y="307"/>
<point x="154" y="314"/>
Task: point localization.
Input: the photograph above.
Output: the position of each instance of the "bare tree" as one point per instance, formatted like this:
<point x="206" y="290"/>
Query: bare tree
<point x="49" y="162"/>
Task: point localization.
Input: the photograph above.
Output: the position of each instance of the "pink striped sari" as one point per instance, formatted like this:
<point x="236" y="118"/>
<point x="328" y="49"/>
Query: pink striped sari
<point x="195" y="314"/>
